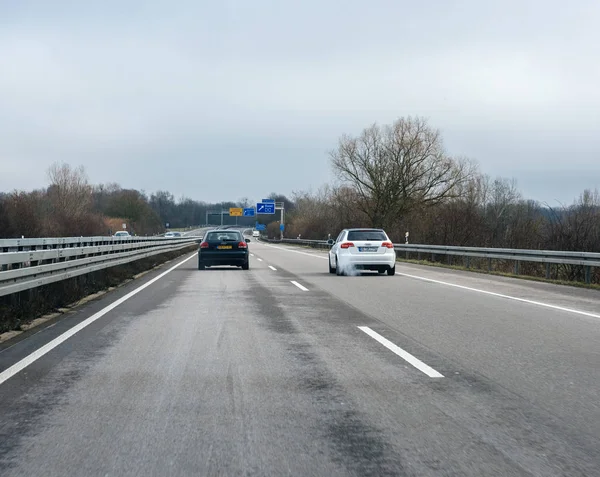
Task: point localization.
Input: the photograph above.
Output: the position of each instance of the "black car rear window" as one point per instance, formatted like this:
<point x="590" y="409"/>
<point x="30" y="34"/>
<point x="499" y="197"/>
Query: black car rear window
<point x="223" y="237"/>
<point x="366" y="235"/>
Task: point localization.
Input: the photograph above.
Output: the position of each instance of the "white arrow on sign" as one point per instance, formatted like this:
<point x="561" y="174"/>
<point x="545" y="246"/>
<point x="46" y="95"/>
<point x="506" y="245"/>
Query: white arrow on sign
<point x="261" y="207"/>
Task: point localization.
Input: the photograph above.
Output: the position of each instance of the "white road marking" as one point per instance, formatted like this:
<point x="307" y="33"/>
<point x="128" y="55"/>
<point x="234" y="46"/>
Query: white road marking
<point x="252" y="255"/>
<point x="501" y="295"/>
<point x="303" y="288"/>
<point x="259" y="259"/>
<point x="417" y="363"/>
<point x="477" y="290"/>
<point x="37" y="354"/>
<point x="272" y="268"/>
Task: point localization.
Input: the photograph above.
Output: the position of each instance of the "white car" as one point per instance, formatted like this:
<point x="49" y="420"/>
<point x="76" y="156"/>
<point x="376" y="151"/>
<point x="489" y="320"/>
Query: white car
<point x="122" y="233"/>
<point x="255" y="233"/>
<point x="362" y="249"/>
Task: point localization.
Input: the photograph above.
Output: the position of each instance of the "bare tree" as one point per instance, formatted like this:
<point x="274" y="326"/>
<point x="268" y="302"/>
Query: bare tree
<point x="70" y="201"/>
<point x="69" y="189"/>
<point x="397" y="168"/>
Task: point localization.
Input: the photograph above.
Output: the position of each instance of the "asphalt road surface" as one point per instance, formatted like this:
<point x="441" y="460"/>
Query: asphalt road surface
<point x="287" y="370"/>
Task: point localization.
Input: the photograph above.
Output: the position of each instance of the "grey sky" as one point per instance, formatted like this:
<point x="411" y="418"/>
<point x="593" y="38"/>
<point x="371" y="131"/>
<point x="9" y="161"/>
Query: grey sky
<point x="174" y="94"/>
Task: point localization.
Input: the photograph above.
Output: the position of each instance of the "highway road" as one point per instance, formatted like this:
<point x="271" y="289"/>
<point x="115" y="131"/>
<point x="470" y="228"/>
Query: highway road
<point x="287" y="370"/>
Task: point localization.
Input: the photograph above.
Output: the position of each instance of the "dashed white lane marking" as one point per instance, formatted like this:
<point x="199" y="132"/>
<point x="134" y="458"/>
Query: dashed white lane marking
<point x="272" y="268"/>
<point x="405" y="355"/>
<point x="303" y="288"/>
<point x="259" y="259"/>
<point x="37" y="354"/>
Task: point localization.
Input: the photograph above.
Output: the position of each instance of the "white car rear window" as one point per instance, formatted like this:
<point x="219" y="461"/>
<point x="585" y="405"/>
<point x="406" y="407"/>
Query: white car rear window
<point x="373" y="235"/>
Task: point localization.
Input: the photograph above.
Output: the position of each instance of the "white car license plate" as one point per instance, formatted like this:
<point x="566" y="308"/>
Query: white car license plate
<point x="367" y="249"/>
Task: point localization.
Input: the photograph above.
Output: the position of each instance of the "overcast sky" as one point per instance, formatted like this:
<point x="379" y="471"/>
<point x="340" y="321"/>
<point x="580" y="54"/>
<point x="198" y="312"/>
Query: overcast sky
<point x="224" y="99"/>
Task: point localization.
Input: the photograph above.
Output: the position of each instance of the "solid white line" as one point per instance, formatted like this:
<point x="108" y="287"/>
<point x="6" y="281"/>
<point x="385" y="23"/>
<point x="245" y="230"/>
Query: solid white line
<point x="477" y="290"/>
<point x="37" y="354"/>
<point x="272" y="268"/>
<point x="509" y="297"/>
<point x="303" y="288"/>
<point x="259" y="259"/>
<point x="417" y="363"/>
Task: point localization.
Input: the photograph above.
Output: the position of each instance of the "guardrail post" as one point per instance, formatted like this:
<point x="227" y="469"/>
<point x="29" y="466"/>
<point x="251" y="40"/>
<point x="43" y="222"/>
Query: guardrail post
<point x="588" y="274"/>
<point x="448" y="258"/>
<point x="433" y="257"/>
<point x="489" y="264"/>
<point x="548" y="271"/>
<point x="468" y="262"/>
<point x="419" y="256"/>
<point x="517" y="267"/>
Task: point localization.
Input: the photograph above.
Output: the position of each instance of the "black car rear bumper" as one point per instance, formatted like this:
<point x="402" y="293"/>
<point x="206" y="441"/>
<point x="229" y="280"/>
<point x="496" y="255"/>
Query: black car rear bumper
<point x="223" y="258"/>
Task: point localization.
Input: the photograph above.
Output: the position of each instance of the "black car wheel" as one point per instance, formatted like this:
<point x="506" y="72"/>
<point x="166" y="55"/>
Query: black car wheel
<point x="200" y="265"/>
<point x="246" y="266"/>
<point x="331" y="269"/>
<point x="391" y="271"/>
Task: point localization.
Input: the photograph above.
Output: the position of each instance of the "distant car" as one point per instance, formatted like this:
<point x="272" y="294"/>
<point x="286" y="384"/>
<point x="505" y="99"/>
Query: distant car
<point x="173" y="234"/>
<point x="122" y="233"/>
<point x="224" y="247"/>
<point x="255" y="233"/>
<point x="362" y="249"/>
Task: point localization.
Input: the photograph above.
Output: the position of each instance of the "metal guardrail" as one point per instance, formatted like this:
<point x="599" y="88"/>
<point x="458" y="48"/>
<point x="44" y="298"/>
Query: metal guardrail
<point x="30" y="263"/>
<point x="548" y="257"/>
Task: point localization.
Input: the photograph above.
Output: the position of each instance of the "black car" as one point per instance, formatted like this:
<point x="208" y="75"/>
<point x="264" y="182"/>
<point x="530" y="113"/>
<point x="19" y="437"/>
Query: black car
<point x="223" y="247"/>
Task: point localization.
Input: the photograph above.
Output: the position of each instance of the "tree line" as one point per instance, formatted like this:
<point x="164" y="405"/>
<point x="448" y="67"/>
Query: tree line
<point x="72" y="206"/>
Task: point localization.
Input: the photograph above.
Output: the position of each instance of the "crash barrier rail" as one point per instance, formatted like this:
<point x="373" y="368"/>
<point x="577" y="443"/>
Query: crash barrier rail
<point x="33" y="262"/>
<point x="549" y="257"/>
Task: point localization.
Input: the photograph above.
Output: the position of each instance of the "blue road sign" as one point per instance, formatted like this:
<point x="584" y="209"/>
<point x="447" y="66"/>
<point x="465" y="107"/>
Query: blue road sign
<point x="249" y="212"/>
<point x="282" y="227"/>
<point x="265" y="208"/>
<point x="268" y="201"/>
<point x="261" y="227"/>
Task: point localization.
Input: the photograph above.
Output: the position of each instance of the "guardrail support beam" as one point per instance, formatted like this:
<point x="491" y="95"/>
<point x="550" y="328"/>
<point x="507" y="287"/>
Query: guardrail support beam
<point x="588" y="274"/>
<point x="548" y="271"/>
<point x="517" y="263"/>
